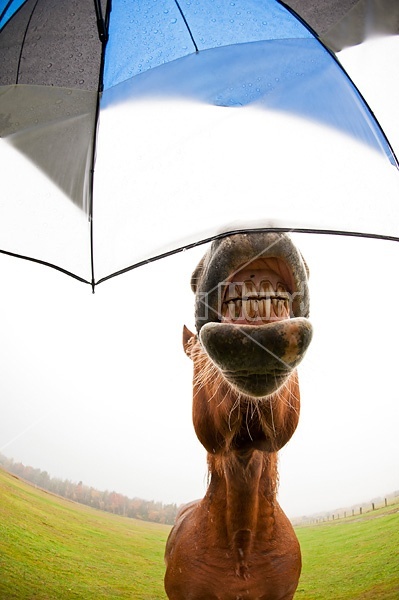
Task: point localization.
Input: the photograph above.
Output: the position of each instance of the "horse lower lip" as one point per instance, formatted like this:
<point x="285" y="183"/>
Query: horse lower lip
<point x="269" y="351"/>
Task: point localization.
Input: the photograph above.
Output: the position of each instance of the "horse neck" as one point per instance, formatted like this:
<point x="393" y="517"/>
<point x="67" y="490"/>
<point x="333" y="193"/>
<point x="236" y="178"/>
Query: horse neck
<point x="242" y="436"/>
<point x="241" y="500"/>
<point x="225" y="420"/>
<point x="247" y="483"/>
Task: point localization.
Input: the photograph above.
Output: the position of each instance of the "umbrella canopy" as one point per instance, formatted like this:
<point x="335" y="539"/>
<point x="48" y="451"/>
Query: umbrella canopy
<point x="133" y="130"/>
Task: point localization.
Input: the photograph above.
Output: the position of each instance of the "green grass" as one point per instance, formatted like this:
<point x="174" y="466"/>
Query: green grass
<point x="51" y="548"/>
<point x="351" y="559"/>
<point x="54" y="549"/>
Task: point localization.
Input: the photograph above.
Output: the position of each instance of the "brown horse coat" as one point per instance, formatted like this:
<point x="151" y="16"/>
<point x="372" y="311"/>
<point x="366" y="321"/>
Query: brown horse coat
<point x="236" y="543"/>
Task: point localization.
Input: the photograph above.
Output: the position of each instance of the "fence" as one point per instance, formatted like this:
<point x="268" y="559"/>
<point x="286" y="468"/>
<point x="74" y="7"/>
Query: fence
<point x="344" y="513"/>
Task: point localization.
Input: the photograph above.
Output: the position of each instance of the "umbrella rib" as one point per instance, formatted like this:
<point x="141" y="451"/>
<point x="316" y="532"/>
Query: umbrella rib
<point x="187" y="25"/>
<point x="219" y="236"/>
<point x="46" y="264"/>
<point x="23" y="40"/>
<point x="102" y="25"/>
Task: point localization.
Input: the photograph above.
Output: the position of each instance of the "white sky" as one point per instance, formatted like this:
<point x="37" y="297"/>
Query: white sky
<point x="97" y="388"/>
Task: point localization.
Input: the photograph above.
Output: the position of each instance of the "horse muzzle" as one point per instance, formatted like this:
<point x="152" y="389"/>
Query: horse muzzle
<point x="257" y="359"/>
<point x="252" y="304"/>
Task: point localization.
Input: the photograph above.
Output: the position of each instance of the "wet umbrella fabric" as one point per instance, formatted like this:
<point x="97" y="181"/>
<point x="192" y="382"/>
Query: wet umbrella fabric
<point x="199" y="119"/>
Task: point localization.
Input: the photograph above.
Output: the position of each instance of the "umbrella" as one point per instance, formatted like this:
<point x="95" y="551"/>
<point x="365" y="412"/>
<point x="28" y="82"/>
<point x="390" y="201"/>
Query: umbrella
<point x="133" y="130"/>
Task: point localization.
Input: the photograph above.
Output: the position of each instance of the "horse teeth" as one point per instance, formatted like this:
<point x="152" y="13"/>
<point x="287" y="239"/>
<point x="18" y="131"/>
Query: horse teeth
<point x="253" y="308"/>
<point x="280" y="308"/>
<point x="265" y="304"/>
<point x="243" y="301"/>
<point x="232" y="309"/>
<point x="266" y="287"/>
<point x="238" y="305"/>
<point x="287" y="307"/>
<point x="281" y="289"/>
<point x="248" y="288"/>
<point x="233" y="291"/>
<point x="229" y="292"/>
<point x="264" y="308"/>
<point x="245" y="309"/>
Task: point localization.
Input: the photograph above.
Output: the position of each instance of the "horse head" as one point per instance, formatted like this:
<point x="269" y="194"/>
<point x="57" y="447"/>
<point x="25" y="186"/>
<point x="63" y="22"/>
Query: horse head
<point x="251" y="314"/>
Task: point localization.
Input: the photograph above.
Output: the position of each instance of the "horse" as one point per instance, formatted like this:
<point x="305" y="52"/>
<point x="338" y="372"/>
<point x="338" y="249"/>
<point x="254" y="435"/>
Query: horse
<point x="252" y="330"/>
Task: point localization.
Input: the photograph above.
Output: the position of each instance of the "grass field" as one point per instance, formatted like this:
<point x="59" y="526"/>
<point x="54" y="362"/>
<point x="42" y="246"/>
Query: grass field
<point x="53" y="549"/>
<point x="355" y="558"/>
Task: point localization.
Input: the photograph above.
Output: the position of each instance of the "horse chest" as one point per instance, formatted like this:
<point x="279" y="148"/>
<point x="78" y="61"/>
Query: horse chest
<point x="206" y="564"/>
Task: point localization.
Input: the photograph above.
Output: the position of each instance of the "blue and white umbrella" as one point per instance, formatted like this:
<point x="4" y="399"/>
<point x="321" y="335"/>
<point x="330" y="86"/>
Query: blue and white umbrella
<point x="135" y="129"/>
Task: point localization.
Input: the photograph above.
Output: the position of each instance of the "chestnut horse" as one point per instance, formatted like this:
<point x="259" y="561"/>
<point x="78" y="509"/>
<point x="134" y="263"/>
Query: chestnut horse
<point x="252" y="305"/>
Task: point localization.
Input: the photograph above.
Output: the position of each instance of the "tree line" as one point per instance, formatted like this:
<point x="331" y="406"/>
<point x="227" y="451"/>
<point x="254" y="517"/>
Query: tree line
<point x="118" y="504"/>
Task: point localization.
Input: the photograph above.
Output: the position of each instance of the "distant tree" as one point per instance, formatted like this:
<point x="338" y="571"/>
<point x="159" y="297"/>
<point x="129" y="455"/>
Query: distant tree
<point x="146" y="510"/>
